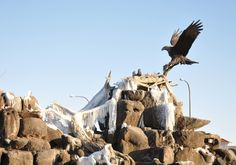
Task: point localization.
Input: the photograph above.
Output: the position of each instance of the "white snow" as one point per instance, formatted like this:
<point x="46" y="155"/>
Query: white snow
<point x="94" y="113"/>
<point x="100" y="157"/>
<point x="59" y="117"/>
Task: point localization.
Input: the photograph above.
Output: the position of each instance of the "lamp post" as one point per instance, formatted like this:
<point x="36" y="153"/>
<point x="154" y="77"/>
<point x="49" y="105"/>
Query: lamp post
<point x="189" y="96"/>
<point x="80" y="97"/>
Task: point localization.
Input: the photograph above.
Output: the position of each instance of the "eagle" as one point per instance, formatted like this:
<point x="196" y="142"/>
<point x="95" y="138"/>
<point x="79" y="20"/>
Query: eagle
<point x="181" y="42"/>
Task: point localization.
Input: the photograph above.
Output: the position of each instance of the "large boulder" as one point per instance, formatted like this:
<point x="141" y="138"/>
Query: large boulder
<point x="18" y="157"/>
<point x="2" y="151"/>
<point x="195" y="139"/>
<point x="226" y="155"/>
<point x="19" y="143"/>
<point x="47" y="157"/>
<point x="148" y="101"/>
<point x="129" y="112"/>
<point x="36" y="145"/>
<point x="30" y="144"/>
<point x="189" y="154"/>
<point x="134" y="95"/>
<point x="159" y="138"/>
<point x="33" y="127"/>
<point x="9" y="123"/>
<point x="164" y="155"/>
<point x="131" y="139"/>
<point x="54" y="137"/>
<point x="190" y="123"/>
<point x="153" y="137"/>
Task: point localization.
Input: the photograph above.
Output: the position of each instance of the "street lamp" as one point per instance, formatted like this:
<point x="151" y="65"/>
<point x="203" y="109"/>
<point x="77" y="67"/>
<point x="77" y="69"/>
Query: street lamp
<point x="80" y="97"/>
<point x="189" y="96"/>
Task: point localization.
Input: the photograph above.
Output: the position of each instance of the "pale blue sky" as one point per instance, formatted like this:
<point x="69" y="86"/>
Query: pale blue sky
<point x="57" y="48"/>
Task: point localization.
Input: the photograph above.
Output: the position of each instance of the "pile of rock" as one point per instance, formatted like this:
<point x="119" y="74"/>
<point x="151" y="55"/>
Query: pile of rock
<point x="26" y="140"/>
<point x="142" y="134"/>
<point x="152" y="145"/>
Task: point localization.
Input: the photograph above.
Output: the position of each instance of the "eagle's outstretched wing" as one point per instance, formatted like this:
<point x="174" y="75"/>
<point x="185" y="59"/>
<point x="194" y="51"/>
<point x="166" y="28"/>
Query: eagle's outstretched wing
<point x="175" y="37"/>
<point x="187" y="38"/>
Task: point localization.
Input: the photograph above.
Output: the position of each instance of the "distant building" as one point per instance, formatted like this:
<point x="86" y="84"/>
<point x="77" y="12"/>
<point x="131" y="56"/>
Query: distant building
<point x="232" y="147"/>
<point x="224" y="144"/>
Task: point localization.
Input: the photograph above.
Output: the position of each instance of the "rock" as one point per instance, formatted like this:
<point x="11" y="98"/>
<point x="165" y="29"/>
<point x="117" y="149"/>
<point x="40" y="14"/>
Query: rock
<point x="159" y="138"/>
<point x="148" y="101"/>
<point x="188" y="123"/>
<point x="190" y="139"/>
<point x="64" y="157"/>
<point x="30" y="144"/>
<point x="168" y="155"/>
<point x="47" y="157"/>
<point x="26" y="113"/>
<point x="136" y="95"/>
<point x="33" y="127"/>
<point x="226" y="155"/>
<point x="189" y="154"/>
<point x="129" y="112"/>
<point x="130" y="139"/>
<point x="2" y="151"/>
<point x="124" y="159"/>
<point x="207" y="155"/>
<point x="19" y="143"/>
<point x="178" y="111"/>
<point x="166" y="138"/>
<point x="53" y="134"/>
<point x="106" y="156"/>
<point x="212" y="141"/>
<point x="156" y="117"/>
<point x="195" y="139"/>
<point x="9" y="123"/>
<point x="36" y="145"/>
<point x="71" y="143"/>
<point x="219" y="161"/>
<point x="184" y="163"/>
<point x="54" y="137"/>
<point x="164" y="155"/>
<point x="18" y="157"/>
<point x="153" y="137"/>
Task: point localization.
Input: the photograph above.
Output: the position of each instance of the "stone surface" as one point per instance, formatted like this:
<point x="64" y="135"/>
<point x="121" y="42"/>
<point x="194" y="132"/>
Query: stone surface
<point x="33" y="127"/>
<point x="47" y="157"/>
<point x="148" y="101"/>
<point x="129" y="112"/>
<point x="19" y="143"/>
<point x="226" y="155"/>
<point x="164" y="155"/>
<point x="17" y="157"/>
<point x="189" y="154"/>
<point x="195" y="139"/>
<point x="130" y="139"/>
<point x="36" y="145"/>
<point x="153" y="137"/>
<point x="9" y="123"/>
<point x="137" y="95"/>
<point x="188" y="123"/>
<point x="64" y="157"/>
<point x="2" y="151"/>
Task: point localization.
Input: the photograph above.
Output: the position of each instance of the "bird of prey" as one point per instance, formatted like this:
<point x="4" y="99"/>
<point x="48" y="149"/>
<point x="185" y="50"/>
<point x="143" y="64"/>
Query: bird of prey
<point x="181" y="42"/>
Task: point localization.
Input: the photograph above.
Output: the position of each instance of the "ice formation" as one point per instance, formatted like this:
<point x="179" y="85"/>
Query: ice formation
<point x="100" y="107"/>
<point x="58" y="117"/>
<point x="102" y="157"/>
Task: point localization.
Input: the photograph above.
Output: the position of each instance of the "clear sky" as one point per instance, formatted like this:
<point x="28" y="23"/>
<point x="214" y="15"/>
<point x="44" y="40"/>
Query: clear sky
<point x="56" y="48"/>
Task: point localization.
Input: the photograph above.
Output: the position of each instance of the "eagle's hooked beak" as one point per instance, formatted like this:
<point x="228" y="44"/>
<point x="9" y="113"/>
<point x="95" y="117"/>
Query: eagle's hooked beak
<point x="164" y="48"/>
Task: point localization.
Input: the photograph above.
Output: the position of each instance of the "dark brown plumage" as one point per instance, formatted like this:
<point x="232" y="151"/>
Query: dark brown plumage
<point x="181" y="42"/>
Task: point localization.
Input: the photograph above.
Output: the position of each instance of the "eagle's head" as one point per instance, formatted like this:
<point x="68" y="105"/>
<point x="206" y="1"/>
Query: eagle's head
<point x="167" y="48"/>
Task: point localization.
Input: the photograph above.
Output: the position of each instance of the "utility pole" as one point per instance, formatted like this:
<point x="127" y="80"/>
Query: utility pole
<point x="189" y="97"/>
